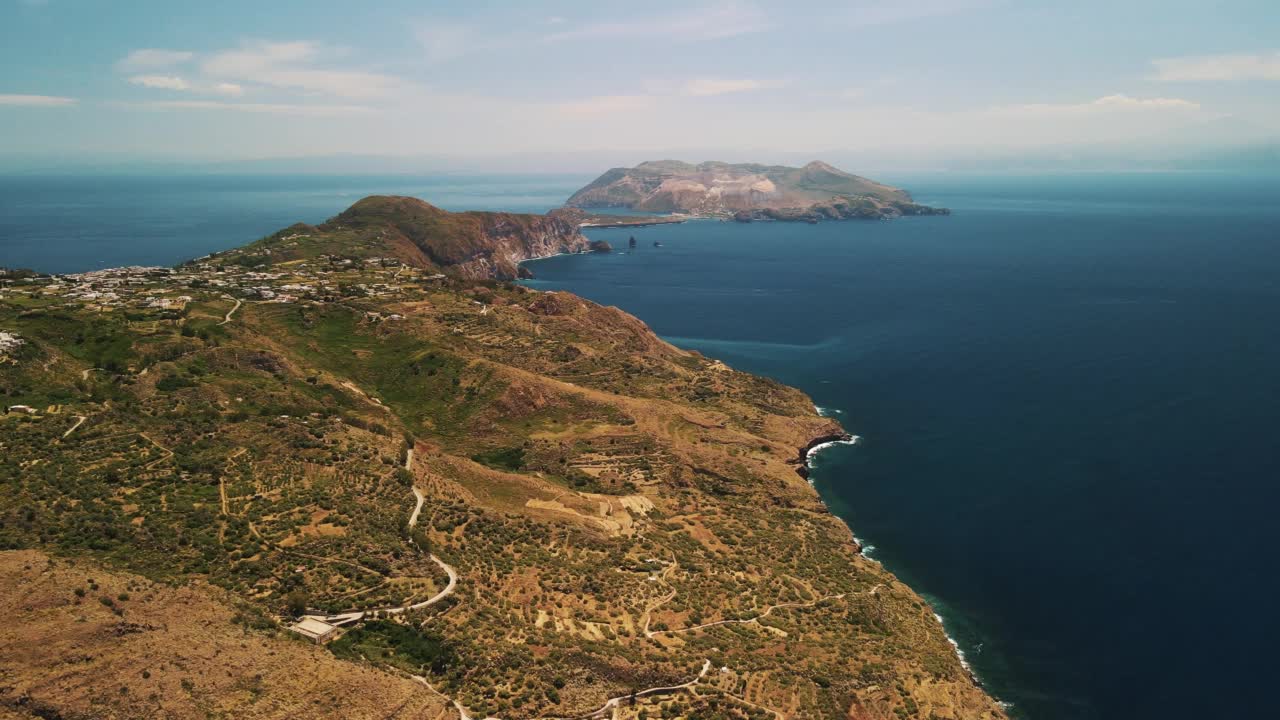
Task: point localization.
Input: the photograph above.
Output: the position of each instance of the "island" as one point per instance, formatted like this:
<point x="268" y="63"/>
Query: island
<point x="348" y="471"/>
<point x="748" y="192"/>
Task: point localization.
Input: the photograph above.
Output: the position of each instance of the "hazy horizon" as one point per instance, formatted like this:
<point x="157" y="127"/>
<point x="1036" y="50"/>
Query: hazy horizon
<point x="577" y="87"/>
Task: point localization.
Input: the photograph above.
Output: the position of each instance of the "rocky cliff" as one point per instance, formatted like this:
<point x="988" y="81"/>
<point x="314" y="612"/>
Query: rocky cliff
<point x="472" y="245"/>
<point x="468" y="244"/>
<point x="750" y="191"/>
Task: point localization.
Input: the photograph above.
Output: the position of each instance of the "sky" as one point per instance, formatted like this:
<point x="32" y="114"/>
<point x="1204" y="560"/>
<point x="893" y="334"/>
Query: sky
<point x="569" y="83"/>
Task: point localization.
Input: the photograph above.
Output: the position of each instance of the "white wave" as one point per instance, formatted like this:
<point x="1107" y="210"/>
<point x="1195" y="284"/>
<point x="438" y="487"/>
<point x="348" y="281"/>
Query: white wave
<point x="964" y="662"/>
<point x="827" y="412"/>
<point x="808" y="458"/>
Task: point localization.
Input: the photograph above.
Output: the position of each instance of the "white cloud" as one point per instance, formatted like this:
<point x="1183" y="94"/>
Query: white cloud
<point x="606" y="104"/>
<point x="259" y="57"/>
<point x="1126" y="102"/>
<point x="161" y="82"/>
<point x="1108" y="103"/>
<point x="704" y="87"/>
<point x="291" y="66"/>
<point x="298" y="67"/>
<point x="709" y="22"/>
<point x="152" y="59"/>
<point x="662" y="93"/>
<point x="267" y="108"/>
<point x="173" y="82"/>
<point x="1239" y="66"/>
<point x="36" y="100"/>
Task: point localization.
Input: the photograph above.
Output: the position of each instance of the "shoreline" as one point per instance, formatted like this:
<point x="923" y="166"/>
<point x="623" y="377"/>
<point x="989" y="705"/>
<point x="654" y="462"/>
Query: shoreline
<point x="645" y="223"/>
<point x="804" y="470"/>
<point x="803" y="463"/>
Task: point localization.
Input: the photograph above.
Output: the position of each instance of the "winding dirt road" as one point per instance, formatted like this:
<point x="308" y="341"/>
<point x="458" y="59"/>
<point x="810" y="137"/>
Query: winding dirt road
<point x="232" y="311"/>
<point x="355" y="615"/>
<point x="747" y="621"/>
<point x="607" y="708"/>
<point x="79" y="421"/>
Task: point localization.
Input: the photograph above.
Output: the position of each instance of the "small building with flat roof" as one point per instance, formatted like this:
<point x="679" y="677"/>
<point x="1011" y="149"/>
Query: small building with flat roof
<point x="315" y="628"/>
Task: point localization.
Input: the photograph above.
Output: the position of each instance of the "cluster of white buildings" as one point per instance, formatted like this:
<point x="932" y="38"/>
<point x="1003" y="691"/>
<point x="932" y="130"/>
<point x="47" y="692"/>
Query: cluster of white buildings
<point x="9" y="342"/>
<point x="161" y="288"/>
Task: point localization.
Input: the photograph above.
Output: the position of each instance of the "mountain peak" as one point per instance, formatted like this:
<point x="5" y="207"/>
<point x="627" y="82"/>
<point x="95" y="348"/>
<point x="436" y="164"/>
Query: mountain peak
<point x="819" y="165"/>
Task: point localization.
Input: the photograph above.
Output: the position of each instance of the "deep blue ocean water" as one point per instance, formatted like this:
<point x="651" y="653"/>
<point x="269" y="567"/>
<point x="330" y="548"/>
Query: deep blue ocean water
<point x="1068" y="392"/>
<point x="73" y="224"/>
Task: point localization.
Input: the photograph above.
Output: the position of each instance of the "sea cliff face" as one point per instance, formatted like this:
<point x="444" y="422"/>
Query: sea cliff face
<point x="470" y="245"/>
<point x="507" y="240"/>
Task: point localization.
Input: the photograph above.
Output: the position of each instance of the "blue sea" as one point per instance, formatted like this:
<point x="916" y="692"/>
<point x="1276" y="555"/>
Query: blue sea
<point x="1067" y="392"/>
<point x="73" y="224"/>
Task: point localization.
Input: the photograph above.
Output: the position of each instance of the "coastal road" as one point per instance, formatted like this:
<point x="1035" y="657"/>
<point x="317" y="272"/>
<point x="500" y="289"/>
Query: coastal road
<point x="752" y="620"/>
<point x="608" y="707"/>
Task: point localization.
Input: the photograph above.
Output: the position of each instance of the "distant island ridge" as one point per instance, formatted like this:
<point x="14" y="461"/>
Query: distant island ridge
<point x="748" y="192"/>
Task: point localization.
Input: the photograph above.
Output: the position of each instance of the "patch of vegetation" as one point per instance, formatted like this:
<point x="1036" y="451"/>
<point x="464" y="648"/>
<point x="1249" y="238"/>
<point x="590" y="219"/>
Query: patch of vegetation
<point x="406" y="647"/>
<point x="511" y="458"/>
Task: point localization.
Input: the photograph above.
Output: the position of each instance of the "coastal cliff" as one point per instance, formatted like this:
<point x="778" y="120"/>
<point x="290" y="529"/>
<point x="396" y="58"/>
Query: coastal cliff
<point x="815" y="192"/>
<point x="472" y="245"/>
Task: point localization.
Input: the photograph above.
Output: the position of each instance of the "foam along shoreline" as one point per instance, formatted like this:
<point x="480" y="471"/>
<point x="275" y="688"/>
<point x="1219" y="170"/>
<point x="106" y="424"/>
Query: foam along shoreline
<point x="607" y="225"/>
<point x="804" y="464"/>
<point x="814" y="450"/>
<point x="817" y="445"/>
<point x="524" y="273"/>
<point x="811" y="451"/>
<point x="964" y="661"/>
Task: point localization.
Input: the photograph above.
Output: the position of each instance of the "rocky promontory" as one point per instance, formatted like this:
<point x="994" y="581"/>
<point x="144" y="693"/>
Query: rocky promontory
<point x="471" y="245"/>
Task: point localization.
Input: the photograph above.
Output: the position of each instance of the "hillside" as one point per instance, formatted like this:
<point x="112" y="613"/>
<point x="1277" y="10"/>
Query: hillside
<point x="466" y="244"/>
<point x="523" y="504"/>
<point x="816" y="191"/>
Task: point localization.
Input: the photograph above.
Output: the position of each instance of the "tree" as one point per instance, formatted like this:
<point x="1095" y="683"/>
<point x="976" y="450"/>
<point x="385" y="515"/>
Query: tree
<point x="296" y="602"/>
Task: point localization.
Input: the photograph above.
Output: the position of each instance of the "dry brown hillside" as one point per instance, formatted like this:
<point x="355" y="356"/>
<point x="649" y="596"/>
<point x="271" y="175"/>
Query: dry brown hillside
<point x="81" y="641"/>
<point x="526" y="500"/>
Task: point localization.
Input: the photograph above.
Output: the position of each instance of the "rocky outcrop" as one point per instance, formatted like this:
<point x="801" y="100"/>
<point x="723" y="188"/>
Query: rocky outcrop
<point x="473" y="245"/>
<point x="812" y="193"/>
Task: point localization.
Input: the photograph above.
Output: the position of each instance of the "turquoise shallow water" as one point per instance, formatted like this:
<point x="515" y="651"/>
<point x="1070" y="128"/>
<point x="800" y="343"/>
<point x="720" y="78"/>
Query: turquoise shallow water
<point x="1067" y="392"/>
